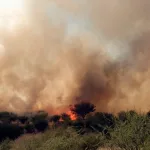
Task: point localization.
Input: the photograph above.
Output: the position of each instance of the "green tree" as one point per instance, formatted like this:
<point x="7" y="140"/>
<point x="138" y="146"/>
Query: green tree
<point x="40" y="115"/>
<point x="41" y="125"/>
<point x="55" y="119"/>
<point x="23" y="119"/>
<point x="7" y="117"/>
<point x="66" y="119"/>
<point x="82" y="109"/>
<point x="100" y="121"/>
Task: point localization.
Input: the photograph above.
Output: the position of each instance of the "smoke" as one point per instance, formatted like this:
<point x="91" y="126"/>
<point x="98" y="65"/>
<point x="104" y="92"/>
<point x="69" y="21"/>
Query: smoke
<point x="61" y="53"/>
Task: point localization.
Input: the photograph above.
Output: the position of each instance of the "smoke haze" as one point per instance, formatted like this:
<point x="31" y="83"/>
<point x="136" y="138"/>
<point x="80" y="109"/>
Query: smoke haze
<point x="59" y="53"/>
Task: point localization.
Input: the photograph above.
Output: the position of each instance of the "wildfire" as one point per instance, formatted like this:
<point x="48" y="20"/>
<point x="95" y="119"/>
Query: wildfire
<point x="72" y="116"/>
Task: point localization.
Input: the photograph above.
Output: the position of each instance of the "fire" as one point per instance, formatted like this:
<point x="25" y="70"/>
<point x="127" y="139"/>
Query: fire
<point x="72" y="116"/>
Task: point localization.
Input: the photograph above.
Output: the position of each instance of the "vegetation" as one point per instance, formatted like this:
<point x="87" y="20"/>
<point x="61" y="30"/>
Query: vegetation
<point x="90" y="131"/>
<point x="82" y="109"/>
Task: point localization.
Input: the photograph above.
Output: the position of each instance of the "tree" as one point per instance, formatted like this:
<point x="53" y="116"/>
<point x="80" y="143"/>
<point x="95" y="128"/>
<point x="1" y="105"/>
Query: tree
<point x="13" y="117"/>
<point x="23" y="119"/>
<point x="65" y="117"/>
<point x="29" y="128"/>
<point x="41" y="125"/>
<point x="124" y="116"/>
<point x="82" y="109"/>
<point x="55" y="118"/>
<point x="10" y="131"/>
<point x="5" y="117"/>
<point x="40" y="115"/>
<point x="148" y="114"/>
<point x="100" y="121"/>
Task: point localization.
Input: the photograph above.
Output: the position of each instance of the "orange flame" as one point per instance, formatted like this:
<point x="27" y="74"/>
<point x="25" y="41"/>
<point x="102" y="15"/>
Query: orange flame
<point x="72" y="116"/>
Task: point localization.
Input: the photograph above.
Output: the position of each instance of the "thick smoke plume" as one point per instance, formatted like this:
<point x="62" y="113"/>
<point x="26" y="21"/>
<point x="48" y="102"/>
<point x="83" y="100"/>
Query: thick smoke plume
<point x="60" y="53"/>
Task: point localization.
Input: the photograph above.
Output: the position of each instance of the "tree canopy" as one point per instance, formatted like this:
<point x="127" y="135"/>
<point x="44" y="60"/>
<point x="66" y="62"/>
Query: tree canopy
<point x="82" y="109"/>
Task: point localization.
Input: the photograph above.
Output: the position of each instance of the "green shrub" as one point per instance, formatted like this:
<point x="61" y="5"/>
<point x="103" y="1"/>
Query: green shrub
<point x="10" y="131"/>
<point x="23" y="119"/>
<point x="93" y="141"/>
<point x="28" y="142"/>
<point x="40" y="115"/>
<point x="29" y="128"/>
<point x="59" y="139"/>
<point x="6" y="145"/>
<point x="132" y="133"/>
<point x="41" y="125"/>
<point x="128" y="131"/>
<point x="7" y="117"/>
